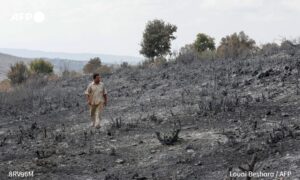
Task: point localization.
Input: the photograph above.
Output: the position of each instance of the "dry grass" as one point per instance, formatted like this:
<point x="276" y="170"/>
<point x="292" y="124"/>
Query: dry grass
<point x="5" y="86"/>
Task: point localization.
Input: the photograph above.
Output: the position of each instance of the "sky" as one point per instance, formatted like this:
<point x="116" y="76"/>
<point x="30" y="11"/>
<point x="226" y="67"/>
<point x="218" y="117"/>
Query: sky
<point x="116" y="26"/>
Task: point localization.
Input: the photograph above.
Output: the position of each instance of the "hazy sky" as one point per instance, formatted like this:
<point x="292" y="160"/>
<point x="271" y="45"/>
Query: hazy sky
<point x="116" y="26"/>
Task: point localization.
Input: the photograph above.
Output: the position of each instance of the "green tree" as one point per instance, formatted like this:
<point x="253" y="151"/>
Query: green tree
<point x="236" y="45"/>
<point x="41" y="66"/>
<point x="157" y="39"/>
<point x="92" y="65"/>
<point x="203" y="43"/>
<point x="18" y="73"/>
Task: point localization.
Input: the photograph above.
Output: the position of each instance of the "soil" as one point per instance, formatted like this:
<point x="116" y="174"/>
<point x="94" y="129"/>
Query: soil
<point x="228" y="112"/>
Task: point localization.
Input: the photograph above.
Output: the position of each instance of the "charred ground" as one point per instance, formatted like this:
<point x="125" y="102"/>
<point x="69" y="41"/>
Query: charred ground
<point x="231" y="113"/>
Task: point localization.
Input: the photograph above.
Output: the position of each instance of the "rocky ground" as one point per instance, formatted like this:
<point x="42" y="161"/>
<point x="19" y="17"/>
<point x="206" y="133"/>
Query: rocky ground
<point x="232" y="116"/>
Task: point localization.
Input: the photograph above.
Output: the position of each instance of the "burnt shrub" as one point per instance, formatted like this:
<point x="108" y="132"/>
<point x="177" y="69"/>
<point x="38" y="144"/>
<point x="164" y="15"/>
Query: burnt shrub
<point x="18" y="73"/>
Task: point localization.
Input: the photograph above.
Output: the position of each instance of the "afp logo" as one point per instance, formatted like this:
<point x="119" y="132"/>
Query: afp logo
<point x="284" y="173"/>
<point x="37" y="17"/>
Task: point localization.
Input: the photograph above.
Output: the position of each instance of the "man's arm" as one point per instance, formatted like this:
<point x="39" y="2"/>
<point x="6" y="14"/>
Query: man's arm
<point x="88" y="96"/>
<point x="88" y="99"/>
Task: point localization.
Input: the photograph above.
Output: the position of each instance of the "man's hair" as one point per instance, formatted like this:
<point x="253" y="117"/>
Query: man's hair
<point x="95" y="75"/>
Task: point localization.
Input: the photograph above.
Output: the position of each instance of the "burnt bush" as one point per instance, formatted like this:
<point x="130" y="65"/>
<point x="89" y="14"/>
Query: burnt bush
<point x="18" y="73"/>
<point x="236" y="46"/>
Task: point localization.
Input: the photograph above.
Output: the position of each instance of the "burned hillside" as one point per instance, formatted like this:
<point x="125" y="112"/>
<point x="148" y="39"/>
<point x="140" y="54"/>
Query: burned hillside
<point x="184" y="119"/>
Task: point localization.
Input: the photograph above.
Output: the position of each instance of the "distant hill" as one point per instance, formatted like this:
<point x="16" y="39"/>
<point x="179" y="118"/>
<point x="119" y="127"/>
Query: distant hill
<point x="59" y="64"/>
<point x="71" y="61"/>
<point x="106" y="59"/>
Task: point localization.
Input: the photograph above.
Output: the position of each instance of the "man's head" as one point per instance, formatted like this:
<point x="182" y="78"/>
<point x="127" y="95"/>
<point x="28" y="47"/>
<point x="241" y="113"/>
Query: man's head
<point x="96" y="78"/>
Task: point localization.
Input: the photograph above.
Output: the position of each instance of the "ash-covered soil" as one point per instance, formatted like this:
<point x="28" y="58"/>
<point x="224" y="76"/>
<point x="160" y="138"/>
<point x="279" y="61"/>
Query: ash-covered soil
<point x="231" y="114"/>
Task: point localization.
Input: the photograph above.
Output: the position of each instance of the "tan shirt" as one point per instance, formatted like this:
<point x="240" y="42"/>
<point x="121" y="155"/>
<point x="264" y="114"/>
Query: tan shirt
<point x="96" y="92"/>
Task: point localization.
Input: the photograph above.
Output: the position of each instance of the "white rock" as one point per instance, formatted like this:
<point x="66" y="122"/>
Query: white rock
<point x="120" y="161"/>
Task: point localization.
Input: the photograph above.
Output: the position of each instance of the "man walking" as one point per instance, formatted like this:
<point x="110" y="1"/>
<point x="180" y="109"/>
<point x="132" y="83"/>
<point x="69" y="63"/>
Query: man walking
<point x="96" y="95"/>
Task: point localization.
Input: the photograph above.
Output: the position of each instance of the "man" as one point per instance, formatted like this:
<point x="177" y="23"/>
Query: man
<point x="96" y="95"/>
